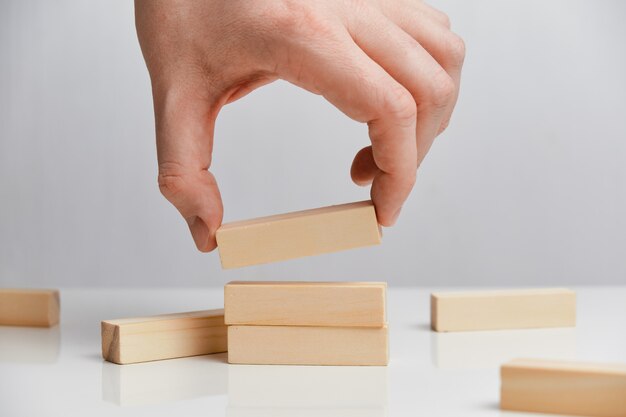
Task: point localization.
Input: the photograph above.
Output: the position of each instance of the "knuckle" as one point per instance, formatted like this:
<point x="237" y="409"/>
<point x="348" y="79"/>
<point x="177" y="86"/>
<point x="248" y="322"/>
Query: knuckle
<point x="444" y="19"/>
<point x="442" y="89"/>
<point x="171" y="180"/>
<point x="285" y="18"/>
<point x="288" y="17"/>
<point x="399" y="104"/>
<point x="456" y="49"/>
<point x="358" y="6"/>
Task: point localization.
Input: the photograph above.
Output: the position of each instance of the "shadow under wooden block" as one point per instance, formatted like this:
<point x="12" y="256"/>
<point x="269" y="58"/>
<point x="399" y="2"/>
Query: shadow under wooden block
<point x="307" y="386"/>
<point x="29" y="345"/>
<point x="165" y="381"/>
<point x="488" y="349"/>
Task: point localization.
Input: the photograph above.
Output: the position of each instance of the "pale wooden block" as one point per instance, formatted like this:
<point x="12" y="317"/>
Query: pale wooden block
<point x="26" y="307"/>
<point x="163" y="337"/>
<point x="572" y="388"/>
<point x="298" y="234"/>
<point x="307" y="345"/>
<point x="506" y="309"/>
<point x="305" y="303"/>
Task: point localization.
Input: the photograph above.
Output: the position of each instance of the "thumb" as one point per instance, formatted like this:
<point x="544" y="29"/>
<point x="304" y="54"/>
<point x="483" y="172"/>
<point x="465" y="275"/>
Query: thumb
<point x="185" y="123"/>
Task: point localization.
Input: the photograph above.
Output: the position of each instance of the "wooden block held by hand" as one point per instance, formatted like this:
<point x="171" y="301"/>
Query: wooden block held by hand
<point x="305" y="303"/>
<point x="163" y="337"/>
<point x="507" y="309"/>
<point x="307" y="345"/>
<point x="572" y="388"/>
<point x="298" y="234"/>
<point x="25" y="307"/>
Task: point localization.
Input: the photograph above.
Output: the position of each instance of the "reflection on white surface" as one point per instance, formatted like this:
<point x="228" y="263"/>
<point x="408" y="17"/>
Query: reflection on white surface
<point x="410" y="386"/>
<point x="29" y="344"/>
<point x="488" y="349"/>
<point x="325" y="391"/>
<point x="164" y="381"/>
<point x="305" y="412"/>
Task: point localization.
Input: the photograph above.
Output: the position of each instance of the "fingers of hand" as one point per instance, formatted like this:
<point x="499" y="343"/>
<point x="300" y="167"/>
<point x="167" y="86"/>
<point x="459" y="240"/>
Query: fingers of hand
<point x="196" y="196"/>
<point x="381" y="74"/>
<point x="184" y="143"/>
<point x="431" y="28"/>
<point x="408" y="62"/>
<point x="364" y="91"/>
<point x="364" y="167"/>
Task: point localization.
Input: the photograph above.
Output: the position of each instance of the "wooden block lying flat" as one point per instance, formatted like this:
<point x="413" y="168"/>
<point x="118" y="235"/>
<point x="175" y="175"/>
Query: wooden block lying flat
<point x="22" y="307"/>
<point x="581" y="389"/>
<point x="163" y="337"/>
<point x="509" y="309"/>
<point x="292" y="345"/>
<point x="305" y="303"/>
<point x="298" y="234"/>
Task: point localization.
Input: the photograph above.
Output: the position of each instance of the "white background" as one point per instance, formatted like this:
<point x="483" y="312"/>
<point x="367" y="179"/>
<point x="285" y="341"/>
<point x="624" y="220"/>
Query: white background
<point x="527" y="186"/>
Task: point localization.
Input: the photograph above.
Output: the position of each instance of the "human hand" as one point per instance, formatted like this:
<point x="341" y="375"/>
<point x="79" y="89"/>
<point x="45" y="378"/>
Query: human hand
<point x="393" y="64"/>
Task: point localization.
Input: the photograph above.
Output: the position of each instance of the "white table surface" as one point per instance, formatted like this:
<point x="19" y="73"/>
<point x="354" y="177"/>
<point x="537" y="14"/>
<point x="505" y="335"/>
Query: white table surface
<point x="59" y="371"/>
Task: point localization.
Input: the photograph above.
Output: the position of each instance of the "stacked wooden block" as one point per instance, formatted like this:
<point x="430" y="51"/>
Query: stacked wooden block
<point x="306" y="323"/>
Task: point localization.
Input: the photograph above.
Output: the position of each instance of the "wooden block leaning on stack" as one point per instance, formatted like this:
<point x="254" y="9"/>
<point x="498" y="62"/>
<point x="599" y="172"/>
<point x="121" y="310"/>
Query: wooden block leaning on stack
<point x="163" y="337"/>
<point x="306" y="323"/>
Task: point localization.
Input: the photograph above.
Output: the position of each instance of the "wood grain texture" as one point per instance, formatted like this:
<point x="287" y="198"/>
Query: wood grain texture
<point x="508" y="309"/>
<point x="305" y="303"/>
<point x="293" y="345"/>
<point x="571" y="388"/>
<point x="298" y="234"/>
<point x="26" y="307"/>
<point x="163" y="337"/>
